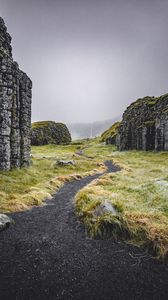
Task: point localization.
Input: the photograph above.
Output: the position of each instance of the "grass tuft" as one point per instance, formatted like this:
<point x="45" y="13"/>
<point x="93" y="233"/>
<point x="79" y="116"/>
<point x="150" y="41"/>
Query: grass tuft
<point x="139" y="193"/>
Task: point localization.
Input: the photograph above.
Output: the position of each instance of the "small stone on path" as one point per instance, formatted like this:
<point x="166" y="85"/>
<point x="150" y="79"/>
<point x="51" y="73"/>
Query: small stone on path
<point x="5" y="221"/>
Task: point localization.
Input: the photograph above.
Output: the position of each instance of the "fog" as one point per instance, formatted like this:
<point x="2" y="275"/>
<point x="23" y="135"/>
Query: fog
<point x="89" y="59"/>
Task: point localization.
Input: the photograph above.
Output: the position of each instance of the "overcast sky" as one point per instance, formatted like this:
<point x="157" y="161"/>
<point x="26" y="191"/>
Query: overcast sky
<point x="89" y="59"/>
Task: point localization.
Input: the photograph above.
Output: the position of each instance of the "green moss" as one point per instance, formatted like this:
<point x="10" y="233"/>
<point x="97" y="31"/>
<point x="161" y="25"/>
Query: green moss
<point x="150" y="101"/>
<point x="40" y="124"/>
<point x="49" y="132"/>
<point x="164" y="97"/>
<point x="149" y="123"/>
<point x="111" y="132"/>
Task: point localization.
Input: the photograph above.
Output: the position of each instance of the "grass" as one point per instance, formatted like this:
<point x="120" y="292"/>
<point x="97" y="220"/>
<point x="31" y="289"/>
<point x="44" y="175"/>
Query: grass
<point x="139" y="192"/>
<point x="40" y="124"/>
<point x="23" y="188"/>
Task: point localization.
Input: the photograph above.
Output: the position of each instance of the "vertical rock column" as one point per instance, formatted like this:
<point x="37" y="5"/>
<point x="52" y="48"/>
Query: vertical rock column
<point x="15" y="119"/>
<point x="5" y="112"/>
<point x="144" y="125"/>
<point x="15" y="108"/>
<point x="166" y="132"/>
<point x="25" y="118"/>
<point x="161" y="138"/>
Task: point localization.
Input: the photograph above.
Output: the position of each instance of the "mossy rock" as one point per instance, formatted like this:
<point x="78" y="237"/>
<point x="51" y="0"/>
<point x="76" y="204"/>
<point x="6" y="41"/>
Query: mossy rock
<point x="149" y="123"/>
<point x="49" y="132"/>
<point x="109" y="136"/>
<point x="144" y="125"/>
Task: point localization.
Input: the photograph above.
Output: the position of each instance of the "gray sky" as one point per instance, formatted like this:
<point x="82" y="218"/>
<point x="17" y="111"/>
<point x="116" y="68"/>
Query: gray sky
<point x="89" y="59"/>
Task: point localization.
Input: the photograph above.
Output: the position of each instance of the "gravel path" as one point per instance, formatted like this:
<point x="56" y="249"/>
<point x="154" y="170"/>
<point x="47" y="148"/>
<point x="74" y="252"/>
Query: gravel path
<point x="47" y="255"/>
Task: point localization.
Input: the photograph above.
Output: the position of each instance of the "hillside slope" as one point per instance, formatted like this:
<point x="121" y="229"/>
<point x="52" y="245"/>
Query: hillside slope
<point x="109" y="136"/>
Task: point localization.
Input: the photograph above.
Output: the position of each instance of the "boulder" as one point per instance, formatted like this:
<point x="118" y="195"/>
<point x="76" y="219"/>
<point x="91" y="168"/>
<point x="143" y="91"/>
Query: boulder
<point x="5" y="221"/>
<point x="104" y="208"/>
<point x="49" y="132"/>
<point x="63" y="163"/>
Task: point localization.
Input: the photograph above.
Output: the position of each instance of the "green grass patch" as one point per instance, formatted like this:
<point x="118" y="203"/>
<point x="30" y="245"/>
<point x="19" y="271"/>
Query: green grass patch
<point x="23" y="188"/>
<point x="139" y="192"/>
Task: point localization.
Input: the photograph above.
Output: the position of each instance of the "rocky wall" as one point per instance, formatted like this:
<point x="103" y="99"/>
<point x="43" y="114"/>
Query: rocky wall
<point x="15" y="108"/>
<point x="144" y="125"/>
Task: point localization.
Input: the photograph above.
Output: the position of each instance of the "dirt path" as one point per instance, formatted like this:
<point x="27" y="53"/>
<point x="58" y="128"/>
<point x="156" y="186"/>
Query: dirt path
<point x="47" y="255"/>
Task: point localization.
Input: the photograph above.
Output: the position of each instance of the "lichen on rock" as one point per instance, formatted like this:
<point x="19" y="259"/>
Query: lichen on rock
<point x="15" y="108"/>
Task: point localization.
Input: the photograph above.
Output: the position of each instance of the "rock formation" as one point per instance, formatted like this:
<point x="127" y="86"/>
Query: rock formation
<point x="145" y="125"/>
<point x="110" y="135"/>
<point x="5" y="221"/>
<point x="15" y="108"/>
<point x="49" y="132"/>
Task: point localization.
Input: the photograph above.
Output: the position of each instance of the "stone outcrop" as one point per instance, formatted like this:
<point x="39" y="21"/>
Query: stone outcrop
<point x="49" y="132"/>
<point x="15" y="108"/>
<point x="145" y="125"/>
<point x="110" y="135"/>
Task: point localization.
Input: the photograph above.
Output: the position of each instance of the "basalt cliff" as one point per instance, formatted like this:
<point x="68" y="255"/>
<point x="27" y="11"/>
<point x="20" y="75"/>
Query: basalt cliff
<point x="15" y="108"/>
<point x="144" y="125"/>
<point x="110" y="135"/>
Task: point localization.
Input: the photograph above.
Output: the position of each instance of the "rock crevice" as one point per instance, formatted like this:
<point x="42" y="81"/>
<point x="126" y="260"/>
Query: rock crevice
<point x="15" y="108"/>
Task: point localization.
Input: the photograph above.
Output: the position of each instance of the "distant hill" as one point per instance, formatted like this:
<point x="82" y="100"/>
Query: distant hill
<point x="88" y="130"/>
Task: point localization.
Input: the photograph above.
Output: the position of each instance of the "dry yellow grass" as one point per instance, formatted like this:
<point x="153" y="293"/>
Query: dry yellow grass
<point x="24" y="188"/>
<point x="139" y="192"/>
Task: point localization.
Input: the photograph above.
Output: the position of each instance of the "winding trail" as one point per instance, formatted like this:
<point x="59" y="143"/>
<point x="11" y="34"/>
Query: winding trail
<point x="47" y="255"/>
